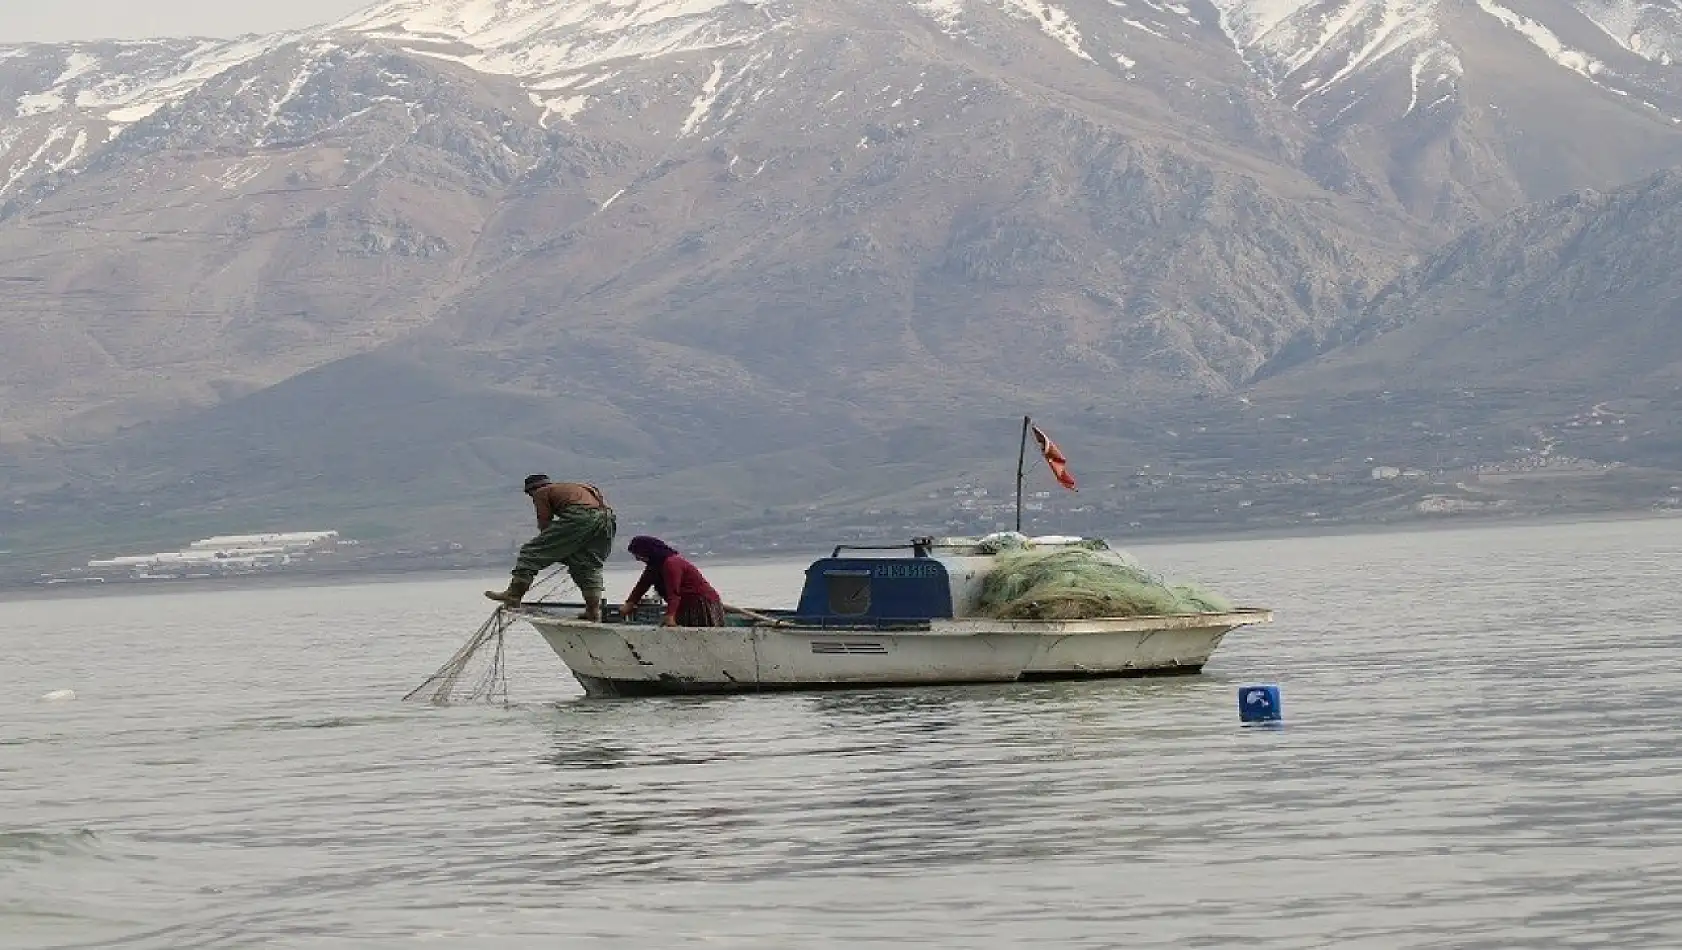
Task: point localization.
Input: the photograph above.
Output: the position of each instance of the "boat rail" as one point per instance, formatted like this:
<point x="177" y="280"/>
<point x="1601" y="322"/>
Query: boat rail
<point x="919" y="547"/>
<point x="785" y="618"/>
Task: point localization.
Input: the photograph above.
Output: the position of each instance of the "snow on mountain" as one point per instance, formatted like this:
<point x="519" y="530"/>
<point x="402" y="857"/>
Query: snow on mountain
<point x="1649" y="30"/>
<point x="1325" y="55"/>
<point x="1652" y="30"/>
<point x="1052" y="20"/>
<point x="1314" y="53"/>
<point x="75" y="98"/>
<point x="70" y="100"/>
<point x="1545" y="40"/>
<point x="123" y="82"/>
<point x="1338" y="62"/>
<point x="555" y="48"/>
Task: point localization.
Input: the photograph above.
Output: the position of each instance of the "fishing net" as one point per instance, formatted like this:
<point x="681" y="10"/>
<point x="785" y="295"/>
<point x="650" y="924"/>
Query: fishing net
<point x="478" y="671"/>
<point x="484" y="653"/>
<point x="1082" y="581"/>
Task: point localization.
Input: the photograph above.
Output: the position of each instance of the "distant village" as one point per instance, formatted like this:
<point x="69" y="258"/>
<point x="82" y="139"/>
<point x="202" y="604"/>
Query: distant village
<point x="220" y="556"/>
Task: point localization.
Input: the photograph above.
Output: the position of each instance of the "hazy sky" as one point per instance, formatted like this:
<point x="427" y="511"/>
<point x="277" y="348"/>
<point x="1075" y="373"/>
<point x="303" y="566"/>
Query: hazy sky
<point x="48" y="20"/>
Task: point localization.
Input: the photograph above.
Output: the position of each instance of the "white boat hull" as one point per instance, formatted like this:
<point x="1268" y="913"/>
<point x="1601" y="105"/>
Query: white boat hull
<point x="618" y="659"/>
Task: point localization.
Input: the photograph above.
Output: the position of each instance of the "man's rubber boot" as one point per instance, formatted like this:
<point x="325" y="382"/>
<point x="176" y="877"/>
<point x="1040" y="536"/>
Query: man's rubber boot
<point x="517" y="588"/>
<point x="592" y="609"/>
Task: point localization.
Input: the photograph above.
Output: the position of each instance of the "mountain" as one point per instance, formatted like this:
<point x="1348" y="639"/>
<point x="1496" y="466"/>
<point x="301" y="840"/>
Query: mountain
<point x="432" y="173"/>
<point x="1574" y="300"/>
<point x="1535" y="364"/>
<point x="1460" y="109"/>
<point x="437" y="244"/>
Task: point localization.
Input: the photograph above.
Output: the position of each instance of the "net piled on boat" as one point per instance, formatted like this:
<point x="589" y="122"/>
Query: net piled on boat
<point x="1081" y="581"/>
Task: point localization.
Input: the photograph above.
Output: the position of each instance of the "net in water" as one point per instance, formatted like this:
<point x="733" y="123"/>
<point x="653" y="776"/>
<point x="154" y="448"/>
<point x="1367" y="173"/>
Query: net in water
<point x="1082" y="582"/>
<point x="476" y="672"/>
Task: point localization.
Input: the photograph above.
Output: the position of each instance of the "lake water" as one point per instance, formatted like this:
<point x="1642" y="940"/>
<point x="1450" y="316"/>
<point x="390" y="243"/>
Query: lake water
<point x="1481" y="750"/>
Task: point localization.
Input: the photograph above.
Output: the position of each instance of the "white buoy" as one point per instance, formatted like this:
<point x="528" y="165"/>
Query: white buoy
<point x="59" y="696"/>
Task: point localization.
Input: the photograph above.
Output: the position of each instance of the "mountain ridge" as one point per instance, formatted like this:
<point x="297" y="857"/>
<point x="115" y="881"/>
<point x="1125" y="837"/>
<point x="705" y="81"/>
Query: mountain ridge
<point x="510" y="233"/>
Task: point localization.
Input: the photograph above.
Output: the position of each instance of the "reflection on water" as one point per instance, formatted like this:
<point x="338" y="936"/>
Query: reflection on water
<point x="1480" y="752"/>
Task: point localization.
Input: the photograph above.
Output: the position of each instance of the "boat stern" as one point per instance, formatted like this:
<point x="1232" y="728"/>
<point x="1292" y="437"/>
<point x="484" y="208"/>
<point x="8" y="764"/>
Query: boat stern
<point x="1135" y="646"/>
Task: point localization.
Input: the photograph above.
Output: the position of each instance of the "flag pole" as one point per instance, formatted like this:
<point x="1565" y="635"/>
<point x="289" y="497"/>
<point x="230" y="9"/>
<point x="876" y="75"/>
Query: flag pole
<point x="1021" y="455"/>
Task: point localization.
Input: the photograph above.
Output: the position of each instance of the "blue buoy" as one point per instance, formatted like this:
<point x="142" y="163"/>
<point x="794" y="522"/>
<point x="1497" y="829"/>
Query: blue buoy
<point x="1259" y="704"/>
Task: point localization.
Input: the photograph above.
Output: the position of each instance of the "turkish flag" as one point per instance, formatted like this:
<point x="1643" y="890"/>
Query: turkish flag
<point x="1054" y="458"/>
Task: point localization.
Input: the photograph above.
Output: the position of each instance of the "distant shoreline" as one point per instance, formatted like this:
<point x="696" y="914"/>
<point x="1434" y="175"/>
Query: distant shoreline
<point x="1421" y="526"/>
<point x="359" y="576"/>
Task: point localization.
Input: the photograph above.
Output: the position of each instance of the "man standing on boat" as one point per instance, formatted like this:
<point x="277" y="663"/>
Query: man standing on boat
<point x="575" y="527"/>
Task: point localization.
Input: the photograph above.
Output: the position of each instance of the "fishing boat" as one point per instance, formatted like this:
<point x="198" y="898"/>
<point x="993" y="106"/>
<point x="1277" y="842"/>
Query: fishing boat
<point x="876" y="615"/>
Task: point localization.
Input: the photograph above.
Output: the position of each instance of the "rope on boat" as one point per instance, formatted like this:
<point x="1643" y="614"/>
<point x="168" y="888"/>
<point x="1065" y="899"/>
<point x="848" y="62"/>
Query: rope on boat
<point x="744" y="612"/>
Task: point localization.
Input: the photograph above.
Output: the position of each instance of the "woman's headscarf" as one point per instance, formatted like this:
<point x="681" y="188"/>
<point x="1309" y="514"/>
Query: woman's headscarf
<point x="655" y="552"/>
<point x="652" y="550"/>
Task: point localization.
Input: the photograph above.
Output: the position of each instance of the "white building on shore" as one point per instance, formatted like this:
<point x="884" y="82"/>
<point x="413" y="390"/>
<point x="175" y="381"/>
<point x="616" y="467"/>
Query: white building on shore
<point x="224" y="554"/>
<point x="292" y="540"/>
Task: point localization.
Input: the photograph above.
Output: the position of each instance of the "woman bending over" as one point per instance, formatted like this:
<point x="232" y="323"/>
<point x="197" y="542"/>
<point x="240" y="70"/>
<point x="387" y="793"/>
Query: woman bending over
<point x="690" y="600"/>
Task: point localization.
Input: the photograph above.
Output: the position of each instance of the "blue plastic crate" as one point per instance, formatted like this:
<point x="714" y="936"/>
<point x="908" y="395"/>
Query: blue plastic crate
<point x="1260" y="704"/>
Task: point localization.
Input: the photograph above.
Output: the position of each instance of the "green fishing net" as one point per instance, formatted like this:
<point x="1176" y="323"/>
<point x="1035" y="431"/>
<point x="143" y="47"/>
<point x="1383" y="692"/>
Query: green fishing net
<point x="1082" y="581"/>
